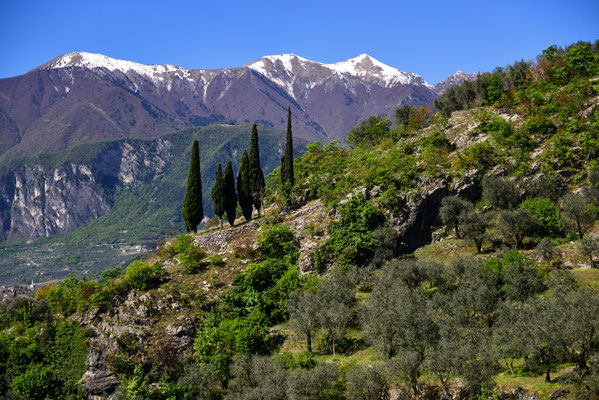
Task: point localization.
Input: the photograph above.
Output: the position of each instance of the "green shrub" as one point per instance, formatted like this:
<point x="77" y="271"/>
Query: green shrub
<point x="68" y="353"/>
<point x="109" y="275"/>
<point x="480" y="155"/>
<point x="352" y="239"/>
<point x="193" y="259"/>
<point x="38" y="382"/>
<point x="182" y="244"/>
<point x="221" y="338"/>
<point x="143" y="276"/>
<point x="369" y="130"/>
<point x="503" y="133"/>
<point x="278" y="242"/>
<point x="538" y="126"/>
<point x="261" y="276"/>
<point x="495" y="89"/>
<point x="216" y="260"/>
<point x="546" y="213"/>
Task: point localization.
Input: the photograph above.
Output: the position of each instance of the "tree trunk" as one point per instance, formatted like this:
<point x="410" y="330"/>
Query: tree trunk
<point x="547" y="371"/>
<point x="581" y="362"/>
<point x="309" y="340"/>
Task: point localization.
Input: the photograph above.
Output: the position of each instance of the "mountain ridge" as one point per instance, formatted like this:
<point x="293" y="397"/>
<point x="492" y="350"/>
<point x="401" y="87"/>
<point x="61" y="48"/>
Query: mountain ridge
<point x="80" y="97"/>
<point x="97" y="60"/>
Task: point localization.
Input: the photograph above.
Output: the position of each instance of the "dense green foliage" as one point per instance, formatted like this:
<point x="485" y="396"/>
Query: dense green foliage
<point x="40" y="357"/>
<point x="257" y="300"/>
<point x="369" y="131"/>
<point x="229" y="193"/>
<point x="193" y="210"/>
<point x="243" y="186"/>
<point x="330" y="172"/>
<point x="256" y="175"/>
<point x="278" y="242"/>
<point x="352" y="236"/>
<point x="143" y="276"/>
<point x="218" y="194"/>
<point x="546" y="214"/>
<point x="287" y="173"/>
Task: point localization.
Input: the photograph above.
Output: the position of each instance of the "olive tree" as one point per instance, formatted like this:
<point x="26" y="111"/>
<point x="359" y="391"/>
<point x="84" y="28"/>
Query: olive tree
<point x="515" y="226"/>
<point x="577" y="214"/>
<point x="303" y="308"/>
<point x="500" y="193"/>
<point x="452" y="210"/>
<point x="474" y="227"/>
<point x="589" y="247"/>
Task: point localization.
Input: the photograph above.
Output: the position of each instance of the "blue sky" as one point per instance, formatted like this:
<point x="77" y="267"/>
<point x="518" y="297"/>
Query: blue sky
<point x="430" y="38"/>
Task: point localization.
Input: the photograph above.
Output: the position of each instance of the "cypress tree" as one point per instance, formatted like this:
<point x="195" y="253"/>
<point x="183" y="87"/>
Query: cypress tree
<point x="256" y="175"/>
<point x="193" y="211"/>
<point x="287" y="178"/>
<point x="230" y="195"/>
<point x="243" y="186"/>
<point x="218" y="195"/>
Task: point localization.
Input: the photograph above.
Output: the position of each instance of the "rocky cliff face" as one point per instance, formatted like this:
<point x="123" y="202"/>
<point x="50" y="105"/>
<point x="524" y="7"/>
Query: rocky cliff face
<point x="159" y="322"/>
<point x="38" y="200"/>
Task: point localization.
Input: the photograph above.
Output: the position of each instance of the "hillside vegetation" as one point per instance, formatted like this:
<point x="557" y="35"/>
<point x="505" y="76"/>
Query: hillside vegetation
<point x="141" y="213"/>
<point x="323" y="296"/>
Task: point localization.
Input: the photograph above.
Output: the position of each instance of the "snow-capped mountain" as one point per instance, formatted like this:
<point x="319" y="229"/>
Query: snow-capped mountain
<point x="454" y="79"/>
<point x="80" y="97"/>
<point x="285" y="69"/>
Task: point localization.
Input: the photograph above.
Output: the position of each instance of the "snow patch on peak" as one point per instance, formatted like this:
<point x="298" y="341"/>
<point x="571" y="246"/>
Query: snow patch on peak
<point x="94" y="61"/>
<point x="281" y="69"/>
<point x="265" y="63"/>
<point x="454" y="79"/>
<point x="367" y="66"/>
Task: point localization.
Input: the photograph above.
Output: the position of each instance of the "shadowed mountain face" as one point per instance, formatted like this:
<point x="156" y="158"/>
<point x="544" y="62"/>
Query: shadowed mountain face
<point x="82" y="97"/>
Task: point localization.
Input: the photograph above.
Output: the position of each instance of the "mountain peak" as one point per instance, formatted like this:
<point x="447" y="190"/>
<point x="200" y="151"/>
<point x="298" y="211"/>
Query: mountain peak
<point x="366" y="66"/>
<point x="280" y="61"/>
<point x="82" y="59"/>
<point x="454" y="79"/>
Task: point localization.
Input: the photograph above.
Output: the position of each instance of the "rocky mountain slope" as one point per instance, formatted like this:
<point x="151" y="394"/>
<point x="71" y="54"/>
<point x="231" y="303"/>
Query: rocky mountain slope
<point x="81" y="97"/>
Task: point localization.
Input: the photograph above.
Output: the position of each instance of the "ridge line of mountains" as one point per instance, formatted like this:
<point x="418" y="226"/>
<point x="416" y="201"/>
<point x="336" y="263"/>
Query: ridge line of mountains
<point x="81" y="97"/>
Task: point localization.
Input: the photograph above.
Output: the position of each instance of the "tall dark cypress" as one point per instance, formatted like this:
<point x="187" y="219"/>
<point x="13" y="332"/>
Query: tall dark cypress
<point x="218" y="195"/>
<point x="257" y="184"/>
<point x="243" y="186"/>
<point x="287" y="178"/>
<point x="230" y="195"/>
<point x="193" y="211"/>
